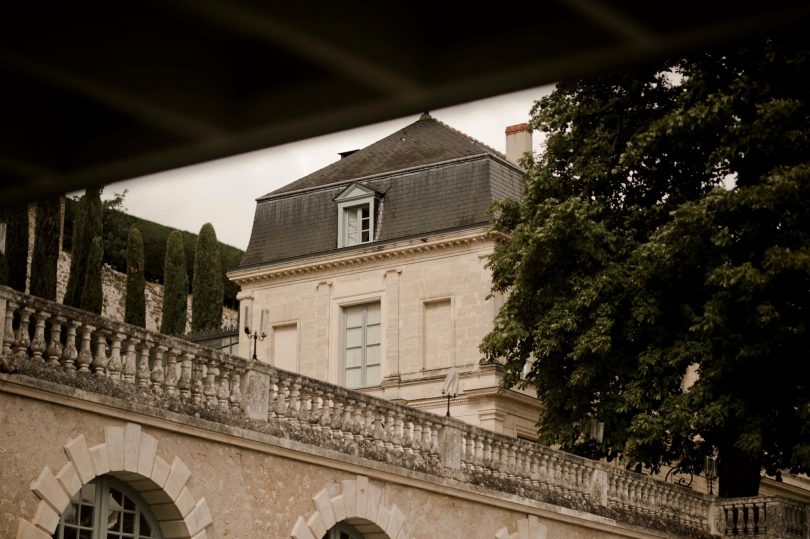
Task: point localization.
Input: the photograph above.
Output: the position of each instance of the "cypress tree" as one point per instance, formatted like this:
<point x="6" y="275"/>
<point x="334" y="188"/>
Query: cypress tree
<point x="92" y="296"/>
<point x="86" y="226"/>
<point x="207" y="286"/>
<point x="13" y="263"/>
<point x="175" y="287"/>
<point x="46" y="249"/>
<point x="135" y="308"/>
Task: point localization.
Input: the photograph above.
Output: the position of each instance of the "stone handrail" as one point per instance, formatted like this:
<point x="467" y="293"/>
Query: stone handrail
<point x="761" y="516"/>
<point x="42" y="334"/>
<point x="44" y="339"/>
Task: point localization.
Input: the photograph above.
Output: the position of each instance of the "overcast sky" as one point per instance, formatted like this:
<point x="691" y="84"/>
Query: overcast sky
<point x="223" y="192"/>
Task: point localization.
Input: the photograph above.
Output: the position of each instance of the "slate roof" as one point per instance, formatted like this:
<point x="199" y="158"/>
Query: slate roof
<point x="423" y="142"/>
<point x="449" y="182"/>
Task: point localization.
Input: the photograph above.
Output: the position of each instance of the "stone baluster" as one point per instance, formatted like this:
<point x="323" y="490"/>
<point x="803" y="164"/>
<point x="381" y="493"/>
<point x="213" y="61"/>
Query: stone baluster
<point x="38" y="344"/>
<point x="100" y="359"/>
<point x="326" y="412"/>
<point x="224" y="386"/>
<point x="69" y="353"/>
<point x="115" y="365"/>
<point x="170" y="384"/>
<point x="337" y="417"/>
<point x="346" y="424"/>
<point x="416" y="437"/>
<point x="144" y="373"/>
<point x="283" y="393"/>
<point x="305" y="403"/>
<point x="54" y="349"/>
<point x="358" y="421"/>
<point x="368" y="422"/>
<point x="295" y="402"/>
<point x="511" y="461"/>
<point x="197" y="385"/>
<point x="434" y="441"/>
<point x="318" y="403"/>
<point x="272" y="396"/>
<point x="184" y="383"/>
<point x="389" y="429"/>
<point x="477" y="448"/>
<point x="157" y="376"/>
<point x="520" y="471"/>
<point x="378" y="430"/>
<point x="407" y="437"/>
<point x="235" y="400"/>
<point x="23" y="340"/>
<point x="8" y="332"/>
<point x="534" y="472"/>
<point x="128" y="369"/>
<point x="209" y="387"/>
<point x="399" y="430"/>
<point x="85" y="355"/>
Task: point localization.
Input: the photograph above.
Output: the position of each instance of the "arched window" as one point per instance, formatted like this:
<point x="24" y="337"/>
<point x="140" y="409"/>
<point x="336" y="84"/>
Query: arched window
<point x="106" y="508"/>
<point x="343" y="531"/>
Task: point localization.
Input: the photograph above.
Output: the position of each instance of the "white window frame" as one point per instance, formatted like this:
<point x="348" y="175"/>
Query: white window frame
<point x="355" y="197"/>
<point x="101" y="509"/>
<point x="364" y="359"/>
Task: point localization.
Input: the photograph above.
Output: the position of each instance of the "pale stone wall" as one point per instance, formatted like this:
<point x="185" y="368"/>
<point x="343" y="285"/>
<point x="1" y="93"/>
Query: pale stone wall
<point x="435" y="312"/>
<point x="255" y="488"/>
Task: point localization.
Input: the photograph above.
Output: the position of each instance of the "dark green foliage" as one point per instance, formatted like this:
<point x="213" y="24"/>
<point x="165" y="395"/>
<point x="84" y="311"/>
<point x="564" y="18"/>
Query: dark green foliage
<point x="175" y="287"/>
<point x="155" y="236"/>
<point x="206" y="289"/>
<point x="86" y="225"/>
<point x="92" y="296"/>
<point x="46" y="248"/>
<point x="135" y="308"/>
<point x="627" y="263"/>
<point x="13" y="263"/>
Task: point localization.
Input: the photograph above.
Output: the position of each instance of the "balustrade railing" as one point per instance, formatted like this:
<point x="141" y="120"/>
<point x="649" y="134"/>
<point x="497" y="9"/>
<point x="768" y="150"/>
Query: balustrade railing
<point x="761" y="516"/>
<point x="39" y="336"/>
<point x="38" y="333"/>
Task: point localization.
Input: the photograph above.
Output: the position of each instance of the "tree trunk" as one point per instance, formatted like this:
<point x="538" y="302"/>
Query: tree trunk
<point x="739" y="474"/>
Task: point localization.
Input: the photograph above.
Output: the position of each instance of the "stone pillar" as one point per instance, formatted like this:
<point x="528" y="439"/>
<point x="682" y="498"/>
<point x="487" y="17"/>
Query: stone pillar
<point x="256" y="394"/>
<point x="391" y="367"/>
<point x="245" y="299"/>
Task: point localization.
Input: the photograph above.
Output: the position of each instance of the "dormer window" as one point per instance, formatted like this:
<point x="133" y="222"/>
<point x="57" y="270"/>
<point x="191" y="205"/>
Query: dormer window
<point x="356" y="212"/>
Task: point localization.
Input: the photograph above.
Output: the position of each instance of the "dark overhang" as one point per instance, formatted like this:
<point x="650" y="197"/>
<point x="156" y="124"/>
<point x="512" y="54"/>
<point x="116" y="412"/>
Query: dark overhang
<point x="96" y="93"/>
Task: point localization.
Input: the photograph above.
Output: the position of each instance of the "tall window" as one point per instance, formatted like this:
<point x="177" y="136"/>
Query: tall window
<point x="342" y="531"/>
<point x="107" y="509"/>
<point x="361" y="345"/>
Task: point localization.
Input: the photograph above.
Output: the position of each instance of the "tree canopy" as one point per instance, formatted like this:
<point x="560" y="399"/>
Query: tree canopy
<point x="667" y="226"/>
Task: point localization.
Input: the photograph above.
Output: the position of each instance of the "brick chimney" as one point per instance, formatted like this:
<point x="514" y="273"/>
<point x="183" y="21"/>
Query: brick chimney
<point x="518" y="142"/>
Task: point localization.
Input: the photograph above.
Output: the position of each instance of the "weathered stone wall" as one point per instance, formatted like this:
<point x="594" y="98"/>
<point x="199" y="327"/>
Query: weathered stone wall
<point x="256" y="487"/>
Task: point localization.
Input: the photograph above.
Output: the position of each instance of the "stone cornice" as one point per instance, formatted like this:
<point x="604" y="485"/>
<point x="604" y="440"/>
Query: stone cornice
<point x="371" y="254"/>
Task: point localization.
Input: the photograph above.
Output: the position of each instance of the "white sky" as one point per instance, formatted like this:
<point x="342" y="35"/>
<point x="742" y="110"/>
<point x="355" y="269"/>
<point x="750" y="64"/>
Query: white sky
<point x="223" y="192"/>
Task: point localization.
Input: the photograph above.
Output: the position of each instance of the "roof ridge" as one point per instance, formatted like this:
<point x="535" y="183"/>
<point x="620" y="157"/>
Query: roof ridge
<point x="463" y="134"/>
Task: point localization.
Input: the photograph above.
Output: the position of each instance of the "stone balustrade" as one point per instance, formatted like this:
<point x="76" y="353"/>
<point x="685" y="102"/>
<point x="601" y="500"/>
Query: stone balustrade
<point x="43" y="339"/>
<point x="761" y="516"/>
<point x="57" y="341"/>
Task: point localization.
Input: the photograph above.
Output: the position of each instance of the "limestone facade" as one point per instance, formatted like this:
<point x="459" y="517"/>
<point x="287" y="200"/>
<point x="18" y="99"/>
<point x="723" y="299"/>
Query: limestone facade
<point x="435" y="308"/>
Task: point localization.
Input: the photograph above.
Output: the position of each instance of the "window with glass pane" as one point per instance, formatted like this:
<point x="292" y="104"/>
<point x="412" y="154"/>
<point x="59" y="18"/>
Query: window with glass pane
<point x="107" y="509"/>
<point x="343" y="531"/>
<point x="357" y="225"/>
<point x="361" y="345"/>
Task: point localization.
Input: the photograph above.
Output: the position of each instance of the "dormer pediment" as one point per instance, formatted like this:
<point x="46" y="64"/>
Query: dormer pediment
<point x="355" y="191"/>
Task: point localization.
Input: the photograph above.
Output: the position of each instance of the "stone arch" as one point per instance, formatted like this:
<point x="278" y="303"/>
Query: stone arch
<point x="359" y="504"/>
<point x="528" y="528"/>
<point x="131" y="456"/>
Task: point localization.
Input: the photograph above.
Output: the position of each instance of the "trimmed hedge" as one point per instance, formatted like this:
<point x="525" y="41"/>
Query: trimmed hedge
<point x="155" y="236"/>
